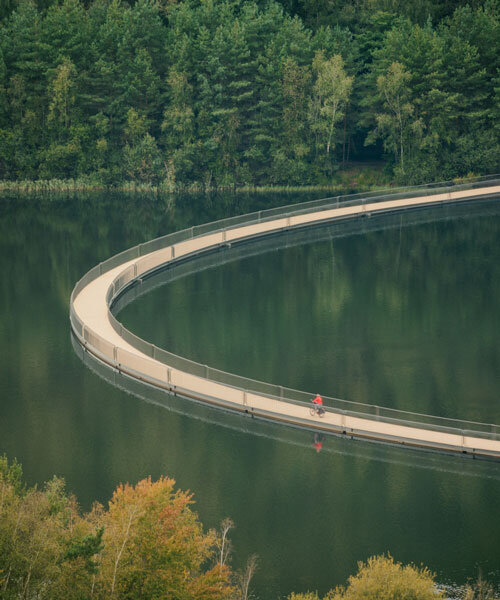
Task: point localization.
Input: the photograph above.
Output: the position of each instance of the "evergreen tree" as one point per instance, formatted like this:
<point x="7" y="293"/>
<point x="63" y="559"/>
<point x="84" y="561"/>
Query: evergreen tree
<point x="233" y="92"/>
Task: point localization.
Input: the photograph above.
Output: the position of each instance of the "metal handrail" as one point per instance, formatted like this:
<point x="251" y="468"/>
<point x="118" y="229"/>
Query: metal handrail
<point x="275" y="392"/>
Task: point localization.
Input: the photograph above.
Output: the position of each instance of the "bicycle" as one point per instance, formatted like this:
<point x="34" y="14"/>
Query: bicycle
<point x="316" y="410"/>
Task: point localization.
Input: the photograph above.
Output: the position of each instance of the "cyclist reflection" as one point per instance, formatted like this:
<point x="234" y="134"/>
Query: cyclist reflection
<point x="319" y="438"/>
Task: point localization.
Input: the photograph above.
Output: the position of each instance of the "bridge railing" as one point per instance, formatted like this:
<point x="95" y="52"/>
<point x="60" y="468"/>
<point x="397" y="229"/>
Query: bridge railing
<point x="282" y="211"/>
<point x="299" y="397"/>
<point x="274" y="392"/>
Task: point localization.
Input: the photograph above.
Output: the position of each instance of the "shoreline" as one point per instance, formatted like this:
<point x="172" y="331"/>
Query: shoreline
<point x="355" y="184"/>
<point x="76" y="187"/>
<point x="360" y="178"/>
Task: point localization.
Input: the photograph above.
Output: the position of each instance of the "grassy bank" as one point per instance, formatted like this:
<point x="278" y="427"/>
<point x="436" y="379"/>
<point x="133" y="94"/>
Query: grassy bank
<point x="359" y="178"/>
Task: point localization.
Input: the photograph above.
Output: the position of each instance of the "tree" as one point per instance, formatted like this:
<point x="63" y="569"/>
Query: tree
<point x="34" y="528"/>
<point x="142" y="158"/>
<point x="245" y="576"/>
<point x="142" y="161"/>
<point x="384" y="579"/>
<point x="397" y="123"/>
<point x="240" y="93"/>
<point x="381" y="577"/>
<point x="62" y="99"/>
<point x="331" y="92"/>
<point x="223" y="541"/>
<point x="147" y="544"/>
<point x="154" y="546"/>
<point x="178" y="126"/>
<point x="64" y="35"/>
<point x="295" y="90"/>
<point x="140" y="86"/>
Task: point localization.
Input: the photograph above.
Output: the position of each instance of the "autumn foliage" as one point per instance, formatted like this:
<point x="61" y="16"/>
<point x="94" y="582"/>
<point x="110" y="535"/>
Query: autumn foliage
<point x="382" y="578"/>
<point x="147" y="544"/>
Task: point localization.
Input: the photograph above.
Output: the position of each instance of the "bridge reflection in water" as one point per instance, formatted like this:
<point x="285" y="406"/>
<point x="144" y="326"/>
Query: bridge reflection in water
<point x="104" y="336"/>
<point x="334" y="444"/>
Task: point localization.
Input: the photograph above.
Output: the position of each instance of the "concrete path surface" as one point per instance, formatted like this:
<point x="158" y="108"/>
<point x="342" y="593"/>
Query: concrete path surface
<point x="96" y="332"/>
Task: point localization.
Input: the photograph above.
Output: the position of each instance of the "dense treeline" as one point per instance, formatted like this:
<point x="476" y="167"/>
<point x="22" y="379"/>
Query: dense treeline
<point x="148" y="543"/>
<point x="226" y="92"/>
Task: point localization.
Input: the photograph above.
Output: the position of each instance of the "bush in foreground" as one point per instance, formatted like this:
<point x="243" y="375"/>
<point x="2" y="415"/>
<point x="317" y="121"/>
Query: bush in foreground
<point x="381" y="578"/>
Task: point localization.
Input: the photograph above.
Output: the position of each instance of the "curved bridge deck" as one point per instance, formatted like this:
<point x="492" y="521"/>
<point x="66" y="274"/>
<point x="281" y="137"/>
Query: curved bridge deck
<point x="99" y="332"/>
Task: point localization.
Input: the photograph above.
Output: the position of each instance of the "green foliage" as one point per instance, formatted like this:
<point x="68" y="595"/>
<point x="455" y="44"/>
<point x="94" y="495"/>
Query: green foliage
<point x="234" y="93"/>
<point x="396" y="124"/>
<point x="11" y="474"/>
<point x="331" y="93"/>
<point x="87" y="547"/>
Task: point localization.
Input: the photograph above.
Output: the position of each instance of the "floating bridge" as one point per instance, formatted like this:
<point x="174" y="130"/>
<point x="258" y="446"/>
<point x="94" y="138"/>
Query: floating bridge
<point x="102" y="335"/>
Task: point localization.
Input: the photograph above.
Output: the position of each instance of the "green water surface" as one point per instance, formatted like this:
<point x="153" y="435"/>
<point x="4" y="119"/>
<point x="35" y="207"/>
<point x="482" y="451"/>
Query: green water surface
<point x="404" y="317"/>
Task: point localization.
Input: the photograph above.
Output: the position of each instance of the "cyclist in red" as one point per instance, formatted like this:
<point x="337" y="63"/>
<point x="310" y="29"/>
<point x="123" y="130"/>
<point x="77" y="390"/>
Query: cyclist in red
<point x="318" y="403"/>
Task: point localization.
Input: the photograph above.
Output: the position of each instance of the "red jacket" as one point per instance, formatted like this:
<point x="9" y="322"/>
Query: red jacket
<point x="318" y="400"/>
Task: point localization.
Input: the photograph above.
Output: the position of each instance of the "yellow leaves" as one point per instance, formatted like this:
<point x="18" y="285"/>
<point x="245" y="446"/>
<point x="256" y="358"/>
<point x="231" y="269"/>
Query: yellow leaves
<point x="153" y="541"/>
<point x="332" y="90"/>
<point x="136" y="126"/>
<point x="332" y="83"/>
<point x="102" y="145"/>
<point x="147" y="544"/>
<point x="62" y="93"/>
<point x="305" y="596"/>
<point x="383" y="578"/>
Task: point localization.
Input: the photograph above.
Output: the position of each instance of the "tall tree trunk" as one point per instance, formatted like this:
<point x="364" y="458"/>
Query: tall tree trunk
<point x="120" y="552"/>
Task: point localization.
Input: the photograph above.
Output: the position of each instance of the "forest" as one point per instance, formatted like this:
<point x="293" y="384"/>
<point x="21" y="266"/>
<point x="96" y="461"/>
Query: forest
<point x="204" y="94"/>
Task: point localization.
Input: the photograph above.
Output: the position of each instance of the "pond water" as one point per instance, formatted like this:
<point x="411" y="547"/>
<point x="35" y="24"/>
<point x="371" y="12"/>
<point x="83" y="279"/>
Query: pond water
<point x="403" y="315"/>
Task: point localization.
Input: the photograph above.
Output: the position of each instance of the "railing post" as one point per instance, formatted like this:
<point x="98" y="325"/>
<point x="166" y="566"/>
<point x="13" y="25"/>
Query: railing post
<point x="115" y="354"/>
<point x="169" y="375"/>
<point x="245" y="401"/>
<point x="173" y="251"/>
<point x="206" y="371"/>
<point x="135" y="270"/>
<point x="281" y="392"/>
